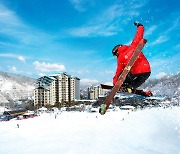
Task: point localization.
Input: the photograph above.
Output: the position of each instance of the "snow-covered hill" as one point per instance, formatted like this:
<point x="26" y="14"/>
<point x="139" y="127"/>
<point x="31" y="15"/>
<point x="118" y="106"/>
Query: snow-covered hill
<point x="15" y="87"/>
<point x="167" y="86"/>
<point x="149" y="131"/>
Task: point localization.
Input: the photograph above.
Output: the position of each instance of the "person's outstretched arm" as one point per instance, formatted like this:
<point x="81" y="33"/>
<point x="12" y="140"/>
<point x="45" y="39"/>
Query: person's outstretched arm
<point x="139" y="34"/>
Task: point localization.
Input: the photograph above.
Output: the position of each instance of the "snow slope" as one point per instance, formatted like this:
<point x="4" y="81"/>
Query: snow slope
<point x="149" y="131"/>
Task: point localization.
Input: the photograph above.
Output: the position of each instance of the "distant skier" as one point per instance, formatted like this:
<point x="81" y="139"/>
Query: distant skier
<point x="141" y="69"/>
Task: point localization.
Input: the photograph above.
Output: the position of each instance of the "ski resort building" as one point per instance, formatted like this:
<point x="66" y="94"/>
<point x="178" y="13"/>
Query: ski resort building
<point x="58" y="88"/>
<point x="45" y="93"/>
<point x="94" y="92"/>
<point x="74" y="89"/>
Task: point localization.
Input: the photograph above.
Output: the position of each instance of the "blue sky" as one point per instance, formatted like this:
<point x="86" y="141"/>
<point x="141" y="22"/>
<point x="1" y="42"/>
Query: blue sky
<point x="43" y="37"/>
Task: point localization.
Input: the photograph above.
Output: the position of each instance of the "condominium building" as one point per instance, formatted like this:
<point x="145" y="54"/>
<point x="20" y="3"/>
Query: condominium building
<point x="74" y="91"/>
<point x="56" y="88"/>
<point x="62" y="88"/>
<point x="41" y="96"/>
<point x="44" y="93"/>
<point x="94" y="92"/>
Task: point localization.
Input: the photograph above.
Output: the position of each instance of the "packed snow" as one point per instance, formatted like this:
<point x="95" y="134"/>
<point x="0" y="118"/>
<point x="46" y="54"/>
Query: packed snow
<point x="148" y="131"/>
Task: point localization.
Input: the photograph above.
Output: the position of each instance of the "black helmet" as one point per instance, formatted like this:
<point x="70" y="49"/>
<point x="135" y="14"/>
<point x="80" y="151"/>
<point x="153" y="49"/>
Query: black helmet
<point x="115" y="49"/>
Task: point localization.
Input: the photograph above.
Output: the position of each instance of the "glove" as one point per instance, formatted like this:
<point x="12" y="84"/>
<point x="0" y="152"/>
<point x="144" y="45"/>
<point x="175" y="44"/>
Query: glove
<point x="136" y="23"/>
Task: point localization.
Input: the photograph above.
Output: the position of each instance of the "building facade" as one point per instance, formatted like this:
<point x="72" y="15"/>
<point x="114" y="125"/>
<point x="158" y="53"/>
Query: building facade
<point x="57" y="88"/>
<point x="43" y="93"/>
<point x="74" y="91"/>
<point x="94" y="92"/>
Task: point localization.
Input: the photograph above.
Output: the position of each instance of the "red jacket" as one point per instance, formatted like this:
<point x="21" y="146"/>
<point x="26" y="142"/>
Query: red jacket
<point x="141" y="64"/>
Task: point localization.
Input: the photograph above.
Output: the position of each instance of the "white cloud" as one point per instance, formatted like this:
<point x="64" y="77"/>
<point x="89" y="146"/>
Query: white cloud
<point x="99" y="26"/>
<point x="41" y="74"/>
<point x="12" y="26"/>
<point x="20" y="58"/>
<point x="108" y="72"/>
<point x="161" y="74"/>
<point x="8" y="17"/>
<point x="150" y="30"/>
<point x="78" y="5"/>
<point x="109" y="83"/>
<point x="88" y="82"/>
<point x="8" y="55"/>
<point x="80" y="71"/>
<point x="159" y="40"/>
<point x="82" y="5"/>
<point x="107" y="23"/>
<point x="93" y="30"/>
<point x="164" y="36"/>
<point x="47" y="67"/>
<point x="13" y="69"/>
<point x="173" y="26"/>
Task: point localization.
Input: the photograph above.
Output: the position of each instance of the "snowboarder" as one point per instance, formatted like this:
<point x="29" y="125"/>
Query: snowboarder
<point x="140" y="71"/>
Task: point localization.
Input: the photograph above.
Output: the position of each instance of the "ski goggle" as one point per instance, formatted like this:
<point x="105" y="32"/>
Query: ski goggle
<point x="115" y="50"/>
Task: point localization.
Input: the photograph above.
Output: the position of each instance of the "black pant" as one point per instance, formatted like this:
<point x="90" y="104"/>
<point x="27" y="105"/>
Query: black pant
<point x="135" y="80"/>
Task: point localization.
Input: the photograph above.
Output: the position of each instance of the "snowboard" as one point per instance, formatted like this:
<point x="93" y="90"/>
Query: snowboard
<point x="127" y="90"/>
<point x="122" y="77"/>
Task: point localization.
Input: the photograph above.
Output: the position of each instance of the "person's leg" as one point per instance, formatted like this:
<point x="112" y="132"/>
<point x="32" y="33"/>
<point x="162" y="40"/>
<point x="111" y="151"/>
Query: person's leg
<point x="135" y="80"/>
<point x="128" y="81"/>
<point x="139" y="79"/>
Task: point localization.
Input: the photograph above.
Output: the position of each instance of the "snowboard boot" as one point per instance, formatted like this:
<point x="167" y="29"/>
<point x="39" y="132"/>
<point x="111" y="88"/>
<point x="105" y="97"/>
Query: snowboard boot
<point x="148" y="93"/>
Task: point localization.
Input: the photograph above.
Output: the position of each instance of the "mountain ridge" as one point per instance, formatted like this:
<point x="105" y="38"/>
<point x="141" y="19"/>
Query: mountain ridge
<point x="17" y="87"/>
